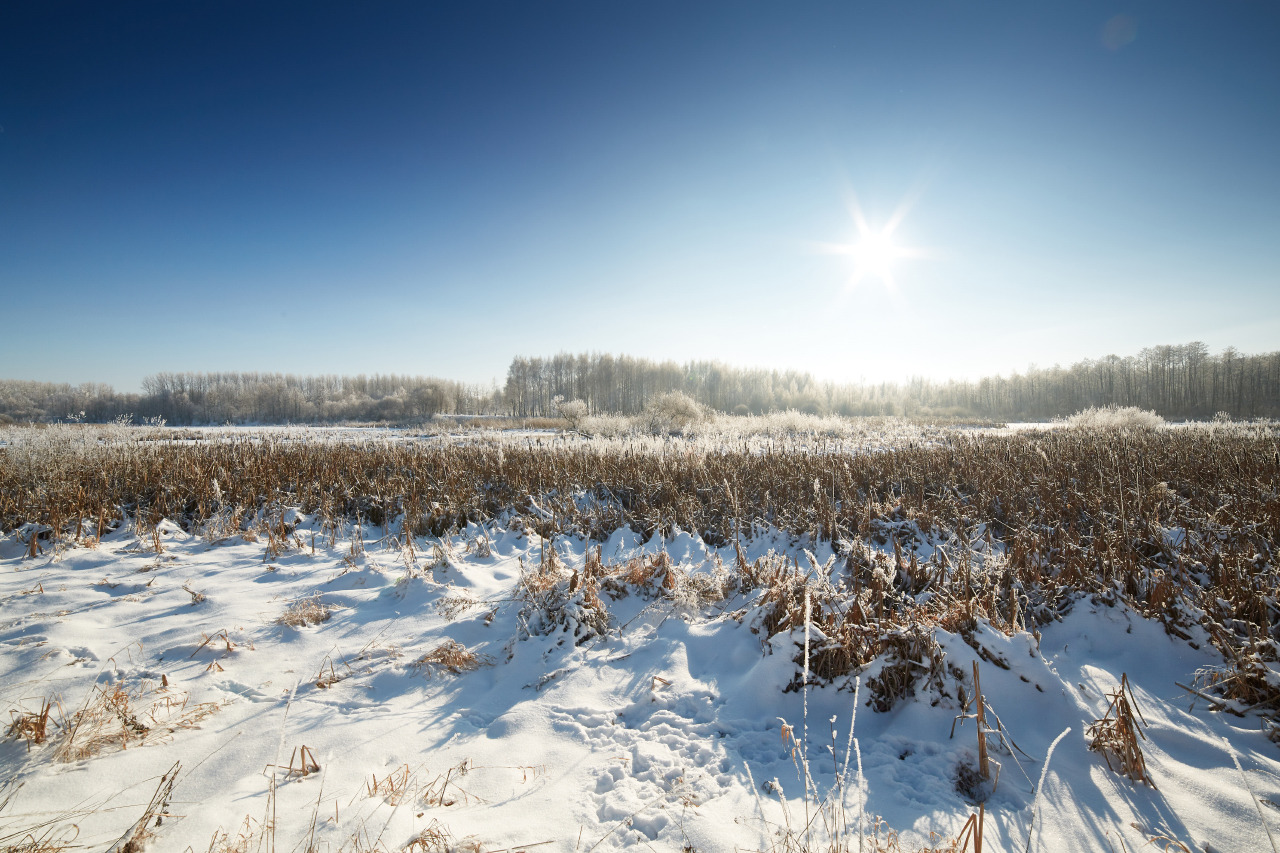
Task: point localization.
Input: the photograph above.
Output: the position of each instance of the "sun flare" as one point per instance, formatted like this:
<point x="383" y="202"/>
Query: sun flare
<point x="874" y="255"/>
<point x="873" y="251"/>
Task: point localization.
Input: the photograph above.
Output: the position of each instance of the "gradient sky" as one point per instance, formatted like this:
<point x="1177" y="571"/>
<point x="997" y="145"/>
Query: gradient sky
<point x="435" y="187"/>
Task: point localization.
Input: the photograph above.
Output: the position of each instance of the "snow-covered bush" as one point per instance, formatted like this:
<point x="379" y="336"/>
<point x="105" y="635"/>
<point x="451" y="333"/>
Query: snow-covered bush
<point x="573" y="411"/>
<point x="553" y="601"/>
<point x="792" y="422"/>
<point x="606" y="426"/>
<point x="674" y="411"/>
<point x="1115" y="417"/>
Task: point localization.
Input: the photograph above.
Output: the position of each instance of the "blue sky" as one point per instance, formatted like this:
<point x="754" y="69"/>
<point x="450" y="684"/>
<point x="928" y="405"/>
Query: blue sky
<point x="436" y="187"/>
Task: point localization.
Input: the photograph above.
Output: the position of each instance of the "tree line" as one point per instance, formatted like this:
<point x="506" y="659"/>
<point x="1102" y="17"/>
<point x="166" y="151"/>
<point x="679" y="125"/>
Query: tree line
<point x="263" y="398"/>
<point x="1179" y="381"/>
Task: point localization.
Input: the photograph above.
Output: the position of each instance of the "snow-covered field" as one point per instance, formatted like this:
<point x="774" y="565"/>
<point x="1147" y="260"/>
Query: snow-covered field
<point x="464" y="693"/>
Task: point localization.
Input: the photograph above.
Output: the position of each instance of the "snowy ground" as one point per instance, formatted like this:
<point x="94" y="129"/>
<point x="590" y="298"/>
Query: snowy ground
<point x="647" y="736"/>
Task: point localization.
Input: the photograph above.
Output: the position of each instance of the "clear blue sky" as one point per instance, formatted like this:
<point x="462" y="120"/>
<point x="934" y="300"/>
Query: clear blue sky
<point x="435" y="187"/>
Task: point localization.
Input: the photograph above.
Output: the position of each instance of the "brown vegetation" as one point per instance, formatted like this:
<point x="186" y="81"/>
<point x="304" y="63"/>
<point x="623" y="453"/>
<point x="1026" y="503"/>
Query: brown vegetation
<point x="451" y="657"/>
<point x="1116" y="735"/>
<point x="1180" y="523"/>
<point x="305" y="612"/>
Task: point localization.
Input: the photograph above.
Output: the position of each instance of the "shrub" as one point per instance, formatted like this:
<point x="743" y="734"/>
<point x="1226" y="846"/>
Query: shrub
<point x="1116" y="417"/>
<point x="674" y="411"/>
<point x="606" y="426"/>
<point x="573" y="411"/>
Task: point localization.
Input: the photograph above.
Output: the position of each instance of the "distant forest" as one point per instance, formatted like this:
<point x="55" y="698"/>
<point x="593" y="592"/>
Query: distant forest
<point x="1178" y="382"/>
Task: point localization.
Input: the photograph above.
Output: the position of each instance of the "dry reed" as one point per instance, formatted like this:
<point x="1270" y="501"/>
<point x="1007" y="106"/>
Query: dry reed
<point x="1116" y="735"/>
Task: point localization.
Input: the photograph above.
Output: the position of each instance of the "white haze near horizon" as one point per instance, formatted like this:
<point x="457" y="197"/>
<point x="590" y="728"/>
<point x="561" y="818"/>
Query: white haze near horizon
<point x="897" y="362"/>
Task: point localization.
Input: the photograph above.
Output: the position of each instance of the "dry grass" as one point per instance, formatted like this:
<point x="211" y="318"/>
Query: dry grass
<point x="453" y="606"/>
<point x="444" y="790"/>
<point x="394" y="787"/>
<point x="45" y="831"/>
<point x="1116" y="735"/>
<point x="451" y="657"/>
<point x="825" y="823"/>
<point x="305" y="612"/>
<point x="884" y="839"/>
<point x="117" y="715"/>
<point x="1179" y="523"/>
<point x="245" y="839"/>
<point x="302" y="762"/>
<point x="42" y="840"/>
<point x="136" y="837"/>
<point x="33" y="727"/>
<point x="436" y="838"/>
<point x="39" y="832"/>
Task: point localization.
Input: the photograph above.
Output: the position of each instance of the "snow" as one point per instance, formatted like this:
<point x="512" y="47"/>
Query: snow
<point x="647" y="735"/>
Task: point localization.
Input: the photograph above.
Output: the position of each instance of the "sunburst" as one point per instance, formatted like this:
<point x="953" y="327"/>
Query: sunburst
<point x="874" y="250"/>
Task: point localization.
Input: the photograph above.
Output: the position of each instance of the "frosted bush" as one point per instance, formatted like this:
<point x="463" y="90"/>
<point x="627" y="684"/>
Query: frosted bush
<point x="607" y="426"/>
<point x="573" y="411"/>
<point x="791" y="422"/>
<point x="1115" y="418"/>
<point x="674" y="411"/>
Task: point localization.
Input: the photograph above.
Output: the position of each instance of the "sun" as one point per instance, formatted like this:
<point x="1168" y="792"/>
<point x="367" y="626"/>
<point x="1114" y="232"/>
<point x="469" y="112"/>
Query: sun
<point x="874" y="255"/>
<point x="874" y="251"/>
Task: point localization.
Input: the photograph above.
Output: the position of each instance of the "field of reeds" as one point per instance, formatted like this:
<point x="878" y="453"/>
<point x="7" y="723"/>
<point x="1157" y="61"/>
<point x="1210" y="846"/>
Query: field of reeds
<point x="959" y="530"/>
<point x="1182" y="523"/>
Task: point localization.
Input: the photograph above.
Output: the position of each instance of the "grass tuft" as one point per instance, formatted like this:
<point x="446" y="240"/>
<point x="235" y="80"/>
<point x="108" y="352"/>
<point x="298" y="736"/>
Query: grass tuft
<point x="305" y="612"/>
<point x="451" y="657"/>
<point x="33" y="727"/>
<point x="119" y="715"/>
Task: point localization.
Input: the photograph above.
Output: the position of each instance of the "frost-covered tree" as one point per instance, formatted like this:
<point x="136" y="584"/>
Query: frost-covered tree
<point x="573" y="411"/>
<point x="674" y="411"/>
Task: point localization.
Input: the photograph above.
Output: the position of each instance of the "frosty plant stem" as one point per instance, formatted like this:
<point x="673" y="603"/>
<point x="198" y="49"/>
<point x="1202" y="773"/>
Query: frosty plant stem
<point x="849" y="747"/>
<point x="982" y="725"/>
